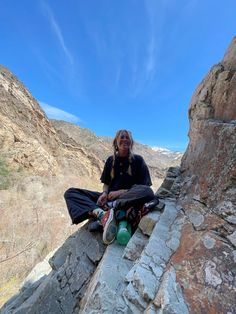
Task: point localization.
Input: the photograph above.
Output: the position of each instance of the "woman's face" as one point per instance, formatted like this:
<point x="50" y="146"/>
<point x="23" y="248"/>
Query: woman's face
<point x="123" y="142"/>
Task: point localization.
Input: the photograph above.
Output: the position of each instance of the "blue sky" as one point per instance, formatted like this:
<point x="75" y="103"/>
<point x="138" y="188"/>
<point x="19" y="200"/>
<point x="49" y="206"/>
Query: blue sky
<point x="111" y="64"/>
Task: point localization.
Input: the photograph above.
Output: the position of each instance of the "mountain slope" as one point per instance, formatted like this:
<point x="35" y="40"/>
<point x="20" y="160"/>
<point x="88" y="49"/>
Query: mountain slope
<point x="36" y="167"/>
<point x="158" y="162"/>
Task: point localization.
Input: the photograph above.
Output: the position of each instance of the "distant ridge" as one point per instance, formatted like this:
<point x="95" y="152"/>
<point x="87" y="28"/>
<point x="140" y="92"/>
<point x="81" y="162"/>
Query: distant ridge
<point x="101" y="146"/>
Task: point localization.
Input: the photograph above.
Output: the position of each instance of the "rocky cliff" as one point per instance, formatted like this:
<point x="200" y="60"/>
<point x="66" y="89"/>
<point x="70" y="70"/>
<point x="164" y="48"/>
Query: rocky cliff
<point x="212" y="116"/>
<point x="27" y="138"/>
<point x="207" y="254"/>
<point x="181" y="259"/>
<point x="35" y="170"/>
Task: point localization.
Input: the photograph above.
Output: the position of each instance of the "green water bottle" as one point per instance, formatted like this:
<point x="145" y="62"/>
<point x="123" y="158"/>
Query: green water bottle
<point x="124" y="232"/>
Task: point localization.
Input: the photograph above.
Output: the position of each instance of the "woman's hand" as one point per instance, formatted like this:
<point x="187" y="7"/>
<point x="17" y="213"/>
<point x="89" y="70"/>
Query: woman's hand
<point x="115" y="194"/>
<point x="102" y="199"/>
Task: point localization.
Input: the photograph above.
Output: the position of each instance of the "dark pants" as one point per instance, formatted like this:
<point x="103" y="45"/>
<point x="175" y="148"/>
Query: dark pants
<point x="81" y="202"/>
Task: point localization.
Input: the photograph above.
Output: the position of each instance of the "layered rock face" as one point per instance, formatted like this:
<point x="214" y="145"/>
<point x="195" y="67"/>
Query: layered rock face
<point x="36" y="167"/>
<point x="207" y="255"/>
<point x="209" y="164"/>
<point x="29" y="141"/>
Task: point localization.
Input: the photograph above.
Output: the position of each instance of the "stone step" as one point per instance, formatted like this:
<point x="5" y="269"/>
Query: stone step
<point x="169" y="298"/>
<point x="128" y="278"/>
<point x="104" y="293"/>
<point x="135" y="246"/>
<point x="145" y="276"/>
<point x="141" y="236"/>
<point x="149" y="221"/>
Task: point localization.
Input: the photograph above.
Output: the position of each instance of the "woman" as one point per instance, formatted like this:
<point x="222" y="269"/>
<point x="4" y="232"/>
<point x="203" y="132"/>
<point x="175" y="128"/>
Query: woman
<point x="126" y="183"/>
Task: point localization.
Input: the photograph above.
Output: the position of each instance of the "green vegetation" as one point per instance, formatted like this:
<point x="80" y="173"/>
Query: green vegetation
<point x="9" y="176"/>
<point x="43" y="249"/>
<point x="4" y="175"/>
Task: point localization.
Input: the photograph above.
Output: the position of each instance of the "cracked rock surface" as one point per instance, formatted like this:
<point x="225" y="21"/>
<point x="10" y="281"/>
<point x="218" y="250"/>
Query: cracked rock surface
<point x="61" y="289"/>
<point x="205" y="260"/>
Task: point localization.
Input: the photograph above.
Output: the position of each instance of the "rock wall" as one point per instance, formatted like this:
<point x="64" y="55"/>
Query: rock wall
<point x="207" y="255"/>
<point x="209" y="164"/>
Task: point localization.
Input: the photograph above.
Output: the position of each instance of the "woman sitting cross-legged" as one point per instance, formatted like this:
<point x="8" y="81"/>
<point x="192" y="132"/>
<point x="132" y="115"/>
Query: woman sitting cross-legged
<point x="126" y="188"/>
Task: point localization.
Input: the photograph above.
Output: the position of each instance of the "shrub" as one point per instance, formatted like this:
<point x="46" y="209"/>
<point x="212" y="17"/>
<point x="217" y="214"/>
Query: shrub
<point x="4" y="175"/>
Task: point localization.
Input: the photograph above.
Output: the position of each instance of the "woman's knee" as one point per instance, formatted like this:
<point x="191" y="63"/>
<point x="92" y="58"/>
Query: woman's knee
<point x="144" y="190"/>
<point x="69" y="192"/>
<point x="149" y="191"/>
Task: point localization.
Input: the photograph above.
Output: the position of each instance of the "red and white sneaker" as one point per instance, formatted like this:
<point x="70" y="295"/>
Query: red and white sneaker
<point x="109" y="226"/>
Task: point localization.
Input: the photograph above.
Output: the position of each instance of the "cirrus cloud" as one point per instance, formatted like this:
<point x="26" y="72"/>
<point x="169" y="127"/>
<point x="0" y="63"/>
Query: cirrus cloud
<point x="58" y="114"/>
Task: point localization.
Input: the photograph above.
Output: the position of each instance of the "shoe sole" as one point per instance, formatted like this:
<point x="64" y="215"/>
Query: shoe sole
<point x="110" y="224"/>
<point x="95" y="226"/>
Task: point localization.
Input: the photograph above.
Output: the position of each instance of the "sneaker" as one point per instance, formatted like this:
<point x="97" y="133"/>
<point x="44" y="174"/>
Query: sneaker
<point x="109" y="226"/>
<point x="132" y="214"/>
<point x="95" y="226"/>
<point x="152" y="204"/>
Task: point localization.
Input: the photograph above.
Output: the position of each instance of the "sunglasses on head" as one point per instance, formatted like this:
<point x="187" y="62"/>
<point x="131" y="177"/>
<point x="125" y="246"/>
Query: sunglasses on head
<point x="124" y="137"/>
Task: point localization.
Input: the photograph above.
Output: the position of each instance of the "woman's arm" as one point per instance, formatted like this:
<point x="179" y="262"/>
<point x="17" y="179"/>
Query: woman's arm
<point x="103" y="197"/>
<point x="115" y="194"/>
<point x="105" y="188"/>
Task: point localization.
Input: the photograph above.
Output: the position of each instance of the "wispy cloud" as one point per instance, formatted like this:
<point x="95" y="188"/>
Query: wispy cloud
<point x="117" y="76"/>
<point x="58" y="114"/>
<point x="152" y="47"/>
<point x="137" y="74"/>
<point x="151" y="63"/>
<point x="144" y="63"/>
<point x="157" y="14"/>
<point x="57" y="31"/>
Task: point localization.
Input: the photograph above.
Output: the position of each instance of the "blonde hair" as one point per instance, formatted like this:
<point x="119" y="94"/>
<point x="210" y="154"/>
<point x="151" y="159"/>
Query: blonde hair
<point x="116" y="151"/>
